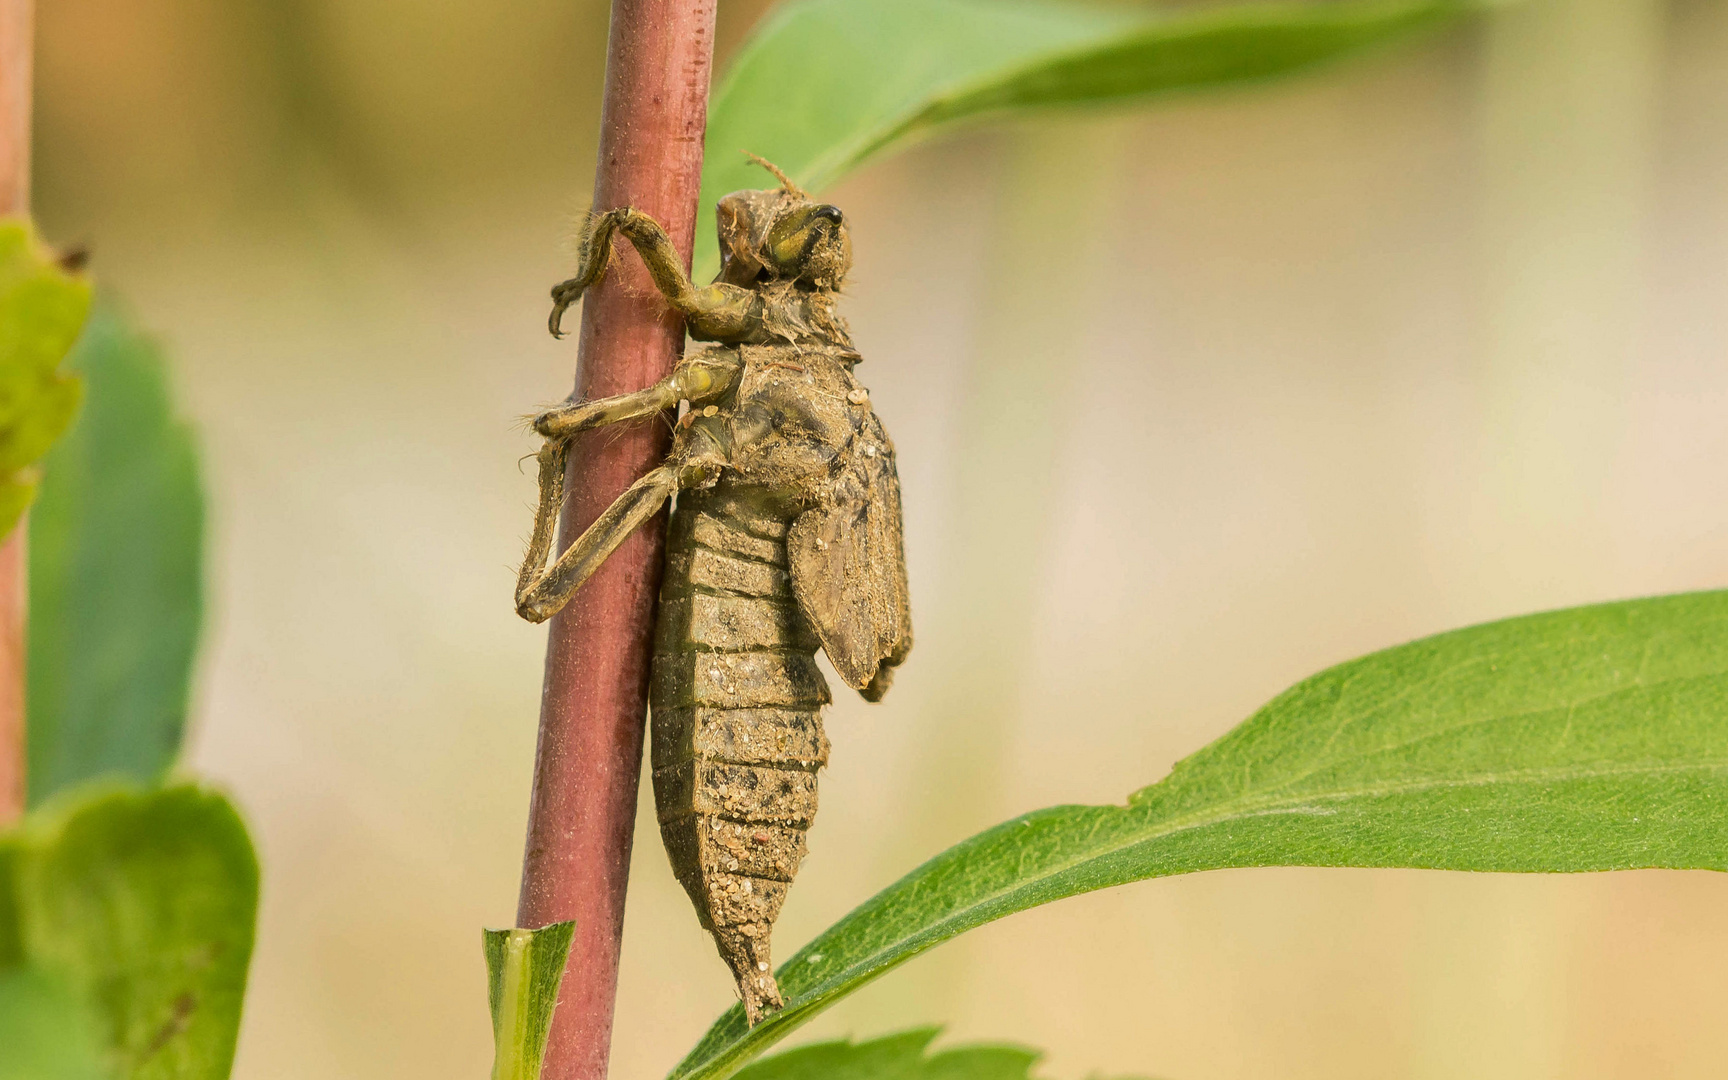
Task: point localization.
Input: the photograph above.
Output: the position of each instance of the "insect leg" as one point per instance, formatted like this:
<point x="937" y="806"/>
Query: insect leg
<point x="701" y="377"/>
<point x="595" y="253"/>
<point x="716" y="308"/>
<point x="541" y="595"/>
<point x="554" y="453"/>
<point x="563" y="421"/>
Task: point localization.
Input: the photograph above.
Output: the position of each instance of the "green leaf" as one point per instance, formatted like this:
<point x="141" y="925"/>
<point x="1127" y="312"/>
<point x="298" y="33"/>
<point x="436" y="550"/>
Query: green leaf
<point x="825" y="85"/>
<point x="1588" y="739"/>
<point x="524" y="969"/>
<point x="895" y="1057"/>
<point x="46" y="1031"/>
<point x="142" y="903"/>
<point x="42" y="307"/>
<point x="116" y="588"/>
<point x="11" y="932"/>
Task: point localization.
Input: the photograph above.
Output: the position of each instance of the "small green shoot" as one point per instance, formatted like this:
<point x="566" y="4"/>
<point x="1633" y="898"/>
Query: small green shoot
<point x="524" y="969"/>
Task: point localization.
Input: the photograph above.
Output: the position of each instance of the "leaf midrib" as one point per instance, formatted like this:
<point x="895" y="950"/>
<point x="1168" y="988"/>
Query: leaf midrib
<point x="1244" y="808"/>
<point x="1321" y="764"/>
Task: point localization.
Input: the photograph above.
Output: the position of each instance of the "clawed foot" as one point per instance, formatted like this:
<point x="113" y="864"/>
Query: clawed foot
<point x="564" y="294"/>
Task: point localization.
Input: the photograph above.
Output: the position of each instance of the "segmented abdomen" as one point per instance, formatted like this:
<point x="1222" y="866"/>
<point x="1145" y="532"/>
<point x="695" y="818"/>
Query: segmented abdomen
<point x="737" y="727"/>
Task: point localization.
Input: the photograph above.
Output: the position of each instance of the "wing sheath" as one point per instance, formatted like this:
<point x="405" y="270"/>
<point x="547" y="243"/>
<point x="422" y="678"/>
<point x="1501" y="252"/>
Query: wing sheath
<point x="848" y="562"/>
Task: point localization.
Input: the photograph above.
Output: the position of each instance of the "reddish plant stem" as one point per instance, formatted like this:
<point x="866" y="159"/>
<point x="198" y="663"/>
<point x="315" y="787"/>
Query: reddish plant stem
<point x="594" y="703"/>
<point x="15" y="74"/>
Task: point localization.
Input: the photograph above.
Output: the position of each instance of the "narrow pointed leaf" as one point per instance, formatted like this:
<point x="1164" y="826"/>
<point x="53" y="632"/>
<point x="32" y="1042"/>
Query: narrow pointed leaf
<point x="825" y="85"/>
<point x="42" y="308"/>
<point x="1589" y="739"/>
<point x="523" y="971"/>
<point x="143" y="905"/>
<point x="116" y="577"/>
<point x="903" y="1056"/>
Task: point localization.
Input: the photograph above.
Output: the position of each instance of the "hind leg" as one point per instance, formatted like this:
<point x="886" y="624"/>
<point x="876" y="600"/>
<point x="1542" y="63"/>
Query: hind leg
<point x="541" y="594"/>
<point x="695" y="459"/>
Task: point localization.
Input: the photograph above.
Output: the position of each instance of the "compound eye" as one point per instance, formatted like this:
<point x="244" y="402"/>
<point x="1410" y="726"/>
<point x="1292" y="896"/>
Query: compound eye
<point x="831" y="213"/>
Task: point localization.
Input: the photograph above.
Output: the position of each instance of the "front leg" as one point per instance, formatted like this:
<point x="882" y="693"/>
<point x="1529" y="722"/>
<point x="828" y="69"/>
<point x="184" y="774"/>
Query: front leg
<point x="699" y="378"/>
<point x="718" y="312"/>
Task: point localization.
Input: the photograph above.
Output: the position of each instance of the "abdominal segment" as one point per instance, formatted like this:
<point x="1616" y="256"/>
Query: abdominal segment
<point x="737" y="727"/>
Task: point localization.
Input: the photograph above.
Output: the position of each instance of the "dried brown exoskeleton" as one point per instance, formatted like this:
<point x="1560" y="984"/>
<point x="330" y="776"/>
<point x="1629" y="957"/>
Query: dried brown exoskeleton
<point x="785" y="537"/>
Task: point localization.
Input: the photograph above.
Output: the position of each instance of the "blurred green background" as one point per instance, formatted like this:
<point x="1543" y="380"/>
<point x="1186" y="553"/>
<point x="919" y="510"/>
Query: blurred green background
<point x="1191" y="400"/>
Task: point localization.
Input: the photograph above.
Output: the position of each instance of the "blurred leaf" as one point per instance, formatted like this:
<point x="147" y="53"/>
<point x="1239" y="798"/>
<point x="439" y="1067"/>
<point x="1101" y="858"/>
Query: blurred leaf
<point x="143" y="904"/>
<point x="116" y="588"/>
<point x="1588" y="739"/>
<point x="825" y="85"/>
<point x="42" y="308"/>
<point x="46" y="1031"/>
<point x="523" y="971"/>
<point x="895" y="1057"/>
<point x="11" y="939"/>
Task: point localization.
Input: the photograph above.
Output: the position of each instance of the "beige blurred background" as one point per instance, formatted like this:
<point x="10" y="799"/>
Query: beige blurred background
<point x="1433" y="336"/>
